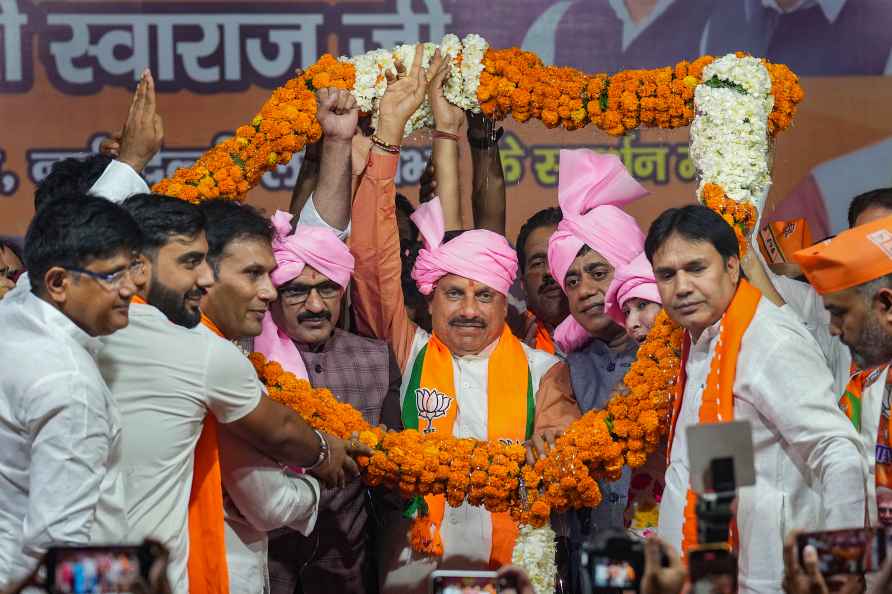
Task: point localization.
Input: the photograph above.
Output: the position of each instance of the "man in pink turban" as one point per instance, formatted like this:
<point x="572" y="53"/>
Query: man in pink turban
<point x="313" y="271"/>
<point x="470" y="377"/>
<point x="594" y="237"/>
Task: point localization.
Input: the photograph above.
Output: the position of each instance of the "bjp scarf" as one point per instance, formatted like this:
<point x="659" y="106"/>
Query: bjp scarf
<point x="431" y="405"/>
<point x="544" y="342"/>
<point x="850" y="403"/>
<point x="208" y="572"/>
<point x="717" y="404"/>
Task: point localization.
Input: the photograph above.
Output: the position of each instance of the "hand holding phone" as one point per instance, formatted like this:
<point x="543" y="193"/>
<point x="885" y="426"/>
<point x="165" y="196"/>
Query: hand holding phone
<point x="464" y="582"/>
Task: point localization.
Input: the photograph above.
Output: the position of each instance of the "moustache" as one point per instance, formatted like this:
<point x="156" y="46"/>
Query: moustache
<point x="309" y="316"/>
<point x="467" y="322"/>
<point x="548" y="283"/>
<point x="196" y="293"/>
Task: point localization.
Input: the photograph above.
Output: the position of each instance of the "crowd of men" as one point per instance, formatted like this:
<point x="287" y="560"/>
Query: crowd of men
<point x="129" y="410"/>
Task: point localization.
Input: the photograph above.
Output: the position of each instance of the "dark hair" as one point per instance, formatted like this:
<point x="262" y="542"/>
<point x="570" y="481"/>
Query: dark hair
<point x="403" y="204"/>
<point x="162" y="217"/>
<point x="228" y="221"/>
<point x="544" y="218"/>
<point x="861" y="202"/>
<point x="70" y="177"/>
<point x="696" y="223"/>
<point x="72" y="233"/>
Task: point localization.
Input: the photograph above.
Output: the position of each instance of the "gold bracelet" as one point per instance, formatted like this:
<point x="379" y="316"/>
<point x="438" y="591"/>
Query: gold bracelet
<point x="390" y="148"/>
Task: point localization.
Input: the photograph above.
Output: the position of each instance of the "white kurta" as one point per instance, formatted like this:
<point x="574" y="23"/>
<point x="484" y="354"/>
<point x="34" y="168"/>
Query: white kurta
<point x="810" y="472"/>
<point x="806" y="302"/>
<point x="466" y="530"/>
<point x="260" y="496"/>
<point x="60" y="438"/>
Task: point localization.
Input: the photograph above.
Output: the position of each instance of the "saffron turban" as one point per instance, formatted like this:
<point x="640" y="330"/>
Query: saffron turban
<point x="591" y="189"/>
<point x="635" y="279"/>
<point x="317" y="247"/>
<point x="479" y="255"/>
<point x="852" y="258"/>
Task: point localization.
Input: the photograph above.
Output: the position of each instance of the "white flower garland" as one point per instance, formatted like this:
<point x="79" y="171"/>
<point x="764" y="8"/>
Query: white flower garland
<point x="534" y="551"/>
<point x="465" y="56"/>
<point x="729" y="134"/>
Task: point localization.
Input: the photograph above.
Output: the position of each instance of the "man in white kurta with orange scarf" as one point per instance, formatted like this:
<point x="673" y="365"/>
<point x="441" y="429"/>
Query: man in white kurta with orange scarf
<point x="745" y="358"/>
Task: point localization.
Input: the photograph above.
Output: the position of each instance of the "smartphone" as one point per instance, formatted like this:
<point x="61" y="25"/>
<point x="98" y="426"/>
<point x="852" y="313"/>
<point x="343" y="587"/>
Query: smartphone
<point x="96" y="569"/>
<point x="712" y="570"/>
<point x="850" y="551"/>
<point x="463" y="582"/>
<point x="720" y="456"/>
<point x="614" y="563"/>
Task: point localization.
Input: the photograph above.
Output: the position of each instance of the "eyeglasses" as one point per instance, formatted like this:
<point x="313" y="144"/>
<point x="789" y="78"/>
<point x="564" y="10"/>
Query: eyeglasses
<point x="112" y="280"/>
<point x="296" y="295"/>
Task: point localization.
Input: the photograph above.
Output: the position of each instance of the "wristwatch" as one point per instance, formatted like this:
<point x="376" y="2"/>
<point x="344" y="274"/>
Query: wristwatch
<point x="323" y="451"/>
<point x="485" y="143"/>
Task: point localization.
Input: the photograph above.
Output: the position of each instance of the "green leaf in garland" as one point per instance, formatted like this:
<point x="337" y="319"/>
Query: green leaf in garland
<point x="237" y="160"/>
<point x="608" y="420"/>
<point x="719" y="83"/>
<point x="602" y="100"/>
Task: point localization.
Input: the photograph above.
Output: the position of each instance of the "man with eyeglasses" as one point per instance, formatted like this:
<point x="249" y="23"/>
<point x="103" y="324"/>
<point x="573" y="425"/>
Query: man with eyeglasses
<point x="301" y="332"/>
<point x="60" y="434"/>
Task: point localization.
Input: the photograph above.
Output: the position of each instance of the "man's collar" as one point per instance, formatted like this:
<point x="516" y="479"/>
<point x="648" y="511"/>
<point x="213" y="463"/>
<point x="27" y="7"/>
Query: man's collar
<point x="58" y="321"/>
<point x="830" y="8"/>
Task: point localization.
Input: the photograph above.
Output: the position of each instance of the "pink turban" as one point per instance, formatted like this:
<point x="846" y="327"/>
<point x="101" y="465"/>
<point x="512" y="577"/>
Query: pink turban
<point x="317" y="247"/>
<point x="479" y="255"/>
<point x="635" y="279"/>
<point x="591" y="188"/>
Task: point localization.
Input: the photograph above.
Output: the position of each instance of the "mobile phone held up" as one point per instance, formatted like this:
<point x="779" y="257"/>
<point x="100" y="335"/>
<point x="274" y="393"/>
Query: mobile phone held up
<point x="464" y="582"/>
<point x="850" y="551"/>
<point x="613" y="562"/>
<point x="712" y="570"/>
<point x="95" y="569"/>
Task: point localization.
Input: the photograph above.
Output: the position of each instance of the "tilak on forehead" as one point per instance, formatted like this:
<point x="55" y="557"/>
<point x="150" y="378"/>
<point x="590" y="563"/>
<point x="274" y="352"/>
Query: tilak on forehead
<point x="591" y="188"/>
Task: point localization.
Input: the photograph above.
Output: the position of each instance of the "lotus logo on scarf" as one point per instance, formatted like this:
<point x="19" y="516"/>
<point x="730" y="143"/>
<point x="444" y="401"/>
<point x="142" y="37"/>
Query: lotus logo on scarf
<point x="431" y="405"/>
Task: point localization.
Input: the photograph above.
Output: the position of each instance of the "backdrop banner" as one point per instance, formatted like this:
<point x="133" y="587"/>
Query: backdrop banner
<point x="67" y="70"/>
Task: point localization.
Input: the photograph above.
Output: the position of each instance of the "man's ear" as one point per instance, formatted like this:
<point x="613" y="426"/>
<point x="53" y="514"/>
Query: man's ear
<point x="55" y="282"/>
<point x="733" y="267"/>
<point x="882" y="303"/>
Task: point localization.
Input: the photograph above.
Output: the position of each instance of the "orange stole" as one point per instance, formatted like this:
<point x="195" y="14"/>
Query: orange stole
<point x="544" y="341"/>
<point x="208" y="572"/>
<point x="717" y="403"/>
<point x="507" y="392"/>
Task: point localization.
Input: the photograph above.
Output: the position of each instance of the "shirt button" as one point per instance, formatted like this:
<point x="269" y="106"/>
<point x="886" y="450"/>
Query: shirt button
<point x="318" y="368"/>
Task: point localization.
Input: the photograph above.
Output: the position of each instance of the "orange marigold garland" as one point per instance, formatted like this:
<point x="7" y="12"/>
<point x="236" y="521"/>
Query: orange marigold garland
<point x="512" y="82"/>
<point x="742" y="216"/>
<point x="493" y="474"/>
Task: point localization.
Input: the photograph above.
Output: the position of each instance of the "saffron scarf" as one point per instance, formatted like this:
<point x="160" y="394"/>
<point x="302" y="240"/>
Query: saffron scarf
<point x="717" y="403"/>
<point x="544" y="342"/>
<point x="431" y="405"/>
<point x="850" y="403"/>
<point x="208" y="572"/>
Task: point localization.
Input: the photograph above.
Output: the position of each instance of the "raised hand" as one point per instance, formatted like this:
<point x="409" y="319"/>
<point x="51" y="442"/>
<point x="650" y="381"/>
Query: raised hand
<point x="447" y="117"/>
<point x="338" y="114"/>
<point x="144" y="131"/>
<point x="405" y="94"/>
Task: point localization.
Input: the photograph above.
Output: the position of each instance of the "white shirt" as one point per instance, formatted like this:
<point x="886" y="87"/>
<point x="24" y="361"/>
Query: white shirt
<point x="60" y="438"/>
<point x="806" y="302"/>
<point x="118" y="182"/>
<point x="466" y="530"/>
<point x="809" y="466"/>
<point x="166" y="379"/>
<point x="259" y="496"/>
